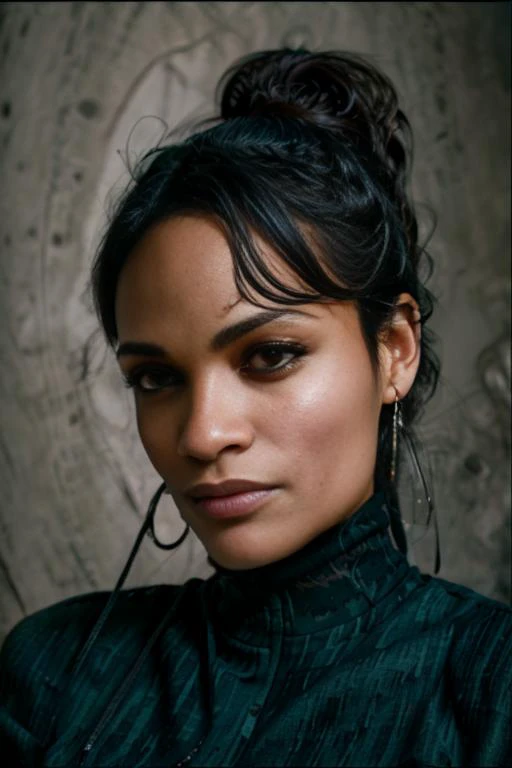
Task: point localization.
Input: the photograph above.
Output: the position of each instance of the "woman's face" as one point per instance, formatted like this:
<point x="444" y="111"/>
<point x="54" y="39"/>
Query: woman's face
<point x="283" y="398"/>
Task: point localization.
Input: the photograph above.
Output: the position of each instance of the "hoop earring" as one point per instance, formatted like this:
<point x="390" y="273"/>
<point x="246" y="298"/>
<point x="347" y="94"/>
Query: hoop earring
<point x="150" y="519"/>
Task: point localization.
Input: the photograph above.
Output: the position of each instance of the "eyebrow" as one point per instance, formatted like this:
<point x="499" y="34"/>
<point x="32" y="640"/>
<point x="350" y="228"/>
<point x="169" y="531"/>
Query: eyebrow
<point x="222" y="338"/>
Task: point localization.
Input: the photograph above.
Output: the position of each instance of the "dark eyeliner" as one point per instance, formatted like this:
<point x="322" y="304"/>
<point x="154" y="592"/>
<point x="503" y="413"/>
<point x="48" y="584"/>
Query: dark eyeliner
<point x="298" y="351"/>
<point x="132" y="379"/>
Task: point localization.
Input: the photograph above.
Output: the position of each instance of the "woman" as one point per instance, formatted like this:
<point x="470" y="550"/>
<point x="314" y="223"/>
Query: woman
<point x="259" y="284"/>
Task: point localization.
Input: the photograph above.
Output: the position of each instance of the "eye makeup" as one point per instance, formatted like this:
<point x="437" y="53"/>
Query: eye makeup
<point x="262" y="360"/>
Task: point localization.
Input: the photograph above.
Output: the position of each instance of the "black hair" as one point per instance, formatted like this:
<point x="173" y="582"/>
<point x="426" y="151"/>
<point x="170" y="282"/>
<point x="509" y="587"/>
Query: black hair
<point x="311" y="152"/>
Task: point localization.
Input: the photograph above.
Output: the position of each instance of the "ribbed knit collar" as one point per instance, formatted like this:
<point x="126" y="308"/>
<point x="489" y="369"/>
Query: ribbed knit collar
<point x="337" y="577"/>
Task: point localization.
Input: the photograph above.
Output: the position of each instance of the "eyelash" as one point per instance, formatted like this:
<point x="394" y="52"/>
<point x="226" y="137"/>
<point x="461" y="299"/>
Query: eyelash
<point x="132" y="379"/>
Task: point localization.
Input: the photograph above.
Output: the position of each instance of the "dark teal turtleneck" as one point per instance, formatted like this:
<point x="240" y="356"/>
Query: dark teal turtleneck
<point x="341" y="654"/>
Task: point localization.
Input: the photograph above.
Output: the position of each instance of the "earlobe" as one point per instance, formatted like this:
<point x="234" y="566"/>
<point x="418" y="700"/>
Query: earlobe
<point x="401" y="349"/>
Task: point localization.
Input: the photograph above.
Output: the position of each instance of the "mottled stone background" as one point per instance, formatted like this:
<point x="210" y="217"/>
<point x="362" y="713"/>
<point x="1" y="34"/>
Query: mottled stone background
<point x="76" y="79"/>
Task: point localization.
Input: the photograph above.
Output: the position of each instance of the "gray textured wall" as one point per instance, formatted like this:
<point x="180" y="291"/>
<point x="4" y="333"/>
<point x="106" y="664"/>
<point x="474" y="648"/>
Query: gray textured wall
<point x="76" y="77"/>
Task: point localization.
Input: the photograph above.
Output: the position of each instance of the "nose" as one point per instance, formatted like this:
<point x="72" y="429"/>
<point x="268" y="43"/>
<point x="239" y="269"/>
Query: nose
<point x="216" y="419"/>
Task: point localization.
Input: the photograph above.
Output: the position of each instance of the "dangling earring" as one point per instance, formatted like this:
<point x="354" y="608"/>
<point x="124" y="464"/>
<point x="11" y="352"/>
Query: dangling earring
<point x="150" y="519"/>
<point x="397" y="423"/>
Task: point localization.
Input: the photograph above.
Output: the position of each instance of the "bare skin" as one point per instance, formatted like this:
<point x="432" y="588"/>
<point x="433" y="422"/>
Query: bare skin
<point x="301" y="419"/>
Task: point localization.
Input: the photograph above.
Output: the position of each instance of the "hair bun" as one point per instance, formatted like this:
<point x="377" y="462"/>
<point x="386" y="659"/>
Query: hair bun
<point x="283" y="82"/>
<point x="338" y="91"/>
<point x="335" y="90"/>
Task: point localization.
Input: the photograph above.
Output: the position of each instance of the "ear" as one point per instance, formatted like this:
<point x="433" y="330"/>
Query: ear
<point x="399" y="349"/>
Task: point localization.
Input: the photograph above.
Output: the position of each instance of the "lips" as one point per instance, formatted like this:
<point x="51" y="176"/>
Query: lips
<point x="226" y="488"/>
<point x="231" y="498"/>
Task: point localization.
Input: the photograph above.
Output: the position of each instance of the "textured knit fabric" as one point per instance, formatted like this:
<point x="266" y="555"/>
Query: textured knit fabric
<point x="341" y="654"/>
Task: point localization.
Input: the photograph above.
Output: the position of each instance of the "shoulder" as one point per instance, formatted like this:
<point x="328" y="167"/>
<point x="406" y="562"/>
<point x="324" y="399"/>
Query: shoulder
<point x="67" y="619"/>
<point x="470" y="612"/>
<point x="479" y="673"/>
<point x="474" y="635"/>
<point x="63" y="625"/>
<point x="482" y="635"/>
<point x="67" y="623"/>
<point x="438" y="602"/>
<point x="481" y="627"/>
<point x="43" y="646"/>
<point x="40" y="651"/>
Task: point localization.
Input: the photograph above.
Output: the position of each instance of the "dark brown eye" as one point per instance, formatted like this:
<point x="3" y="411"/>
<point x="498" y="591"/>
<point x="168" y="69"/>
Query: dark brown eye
<point x="150" y="379"/>
<point x="269" y="358"/>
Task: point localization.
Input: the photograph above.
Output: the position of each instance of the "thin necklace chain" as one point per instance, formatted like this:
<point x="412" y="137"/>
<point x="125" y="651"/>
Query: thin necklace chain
<point x="189" y="756"/>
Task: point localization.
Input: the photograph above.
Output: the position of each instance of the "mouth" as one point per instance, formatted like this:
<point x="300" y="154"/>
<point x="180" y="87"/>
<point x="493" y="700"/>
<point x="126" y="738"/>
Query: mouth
<point x="230" y="499"/>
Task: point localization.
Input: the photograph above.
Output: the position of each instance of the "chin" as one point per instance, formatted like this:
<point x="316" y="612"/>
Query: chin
<point x="244" y="552"/>
<point x="236" y="562"/>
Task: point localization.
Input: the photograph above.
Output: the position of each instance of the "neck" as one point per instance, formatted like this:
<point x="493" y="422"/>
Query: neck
<point x="340" y="575"/>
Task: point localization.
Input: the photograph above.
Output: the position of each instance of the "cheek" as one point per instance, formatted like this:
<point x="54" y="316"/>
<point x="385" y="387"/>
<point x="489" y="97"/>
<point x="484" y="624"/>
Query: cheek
<point x="329" y="414"/>
<point x="156" y="434"/>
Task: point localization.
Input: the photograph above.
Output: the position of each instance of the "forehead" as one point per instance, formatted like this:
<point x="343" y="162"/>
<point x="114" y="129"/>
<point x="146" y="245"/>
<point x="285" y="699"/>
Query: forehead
<point x="182" y="271"/>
